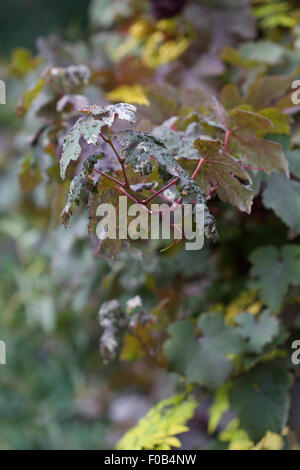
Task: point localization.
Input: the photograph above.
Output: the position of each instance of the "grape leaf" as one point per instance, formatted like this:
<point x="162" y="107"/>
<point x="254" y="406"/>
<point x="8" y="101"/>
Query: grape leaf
<point x="258" y="152"/>
<point x="265" y="90"/>
<point x="244" y="128"/>
<point x="257" y="332"/>
<point x="260" y="399"/>
<point x="230" y="96"/>
<point x="262" y="92"/>
<point x="274" y="270"/>
<point x="281" y="121"/>
<point x="221" y="170"/>
<point x="244" y="125"/>
<point x="205" y="361"/>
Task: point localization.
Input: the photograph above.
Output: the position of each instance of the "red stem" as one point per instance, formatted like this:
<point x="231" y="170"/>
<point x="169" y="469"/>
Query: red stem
<point x="198" y="168"/>
<point x="133" y="199"/>
<point x="120" y="160"/>
<point x="163" y="197"/>
<point x="227" y="135"/>
<point x="136" y="201"/>
<point x="213" y="189"/>
<point x="109" y="177"/>
<point x="146" y="201"/>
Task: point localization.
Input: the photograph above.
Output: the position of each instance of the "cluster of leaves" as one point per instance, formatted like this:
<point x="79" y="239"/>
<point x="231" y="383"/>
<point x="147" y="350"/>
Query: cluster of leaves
<point x="200" y="162"/>
<point x="220" y="320"/>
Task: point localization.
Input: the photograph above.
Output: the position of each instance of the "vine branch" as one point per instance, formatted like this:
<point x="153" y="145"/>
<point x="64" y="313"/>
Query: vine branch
<point x="121" y="160"/>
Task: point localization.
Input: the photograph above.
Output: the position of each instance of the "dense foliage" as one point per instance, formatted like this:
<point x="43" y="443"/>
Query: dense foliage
<point x="176" y="102"/>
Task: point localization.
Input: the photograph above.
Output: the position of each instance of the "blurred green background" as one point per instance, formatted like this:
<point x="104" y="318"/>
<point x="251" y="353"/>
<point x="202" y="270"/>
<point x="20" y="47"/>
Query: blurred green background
<point x="54" y="391"/>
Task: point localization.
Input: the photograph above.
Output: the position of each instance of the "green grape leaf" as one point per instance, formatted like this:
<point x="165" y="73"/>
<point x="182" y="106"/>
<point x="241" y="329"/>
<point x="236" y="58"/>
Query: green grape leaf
<point x="273" y="271"/>
<point x="206" y="361"/>
<point x="260" y="399"/>
<point x="281" y="121"/>
<point x="230" y="96"/>
<point x="265" y="90"/>
<point x="221" y="170"/>
<point x="248" y="121"/>
<point x="157" y="430"/>
<point x="257" y="331"/>
<point x="262" y="92"/>
<point x="244" y="126"/>
<point x="261" y="153"/>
